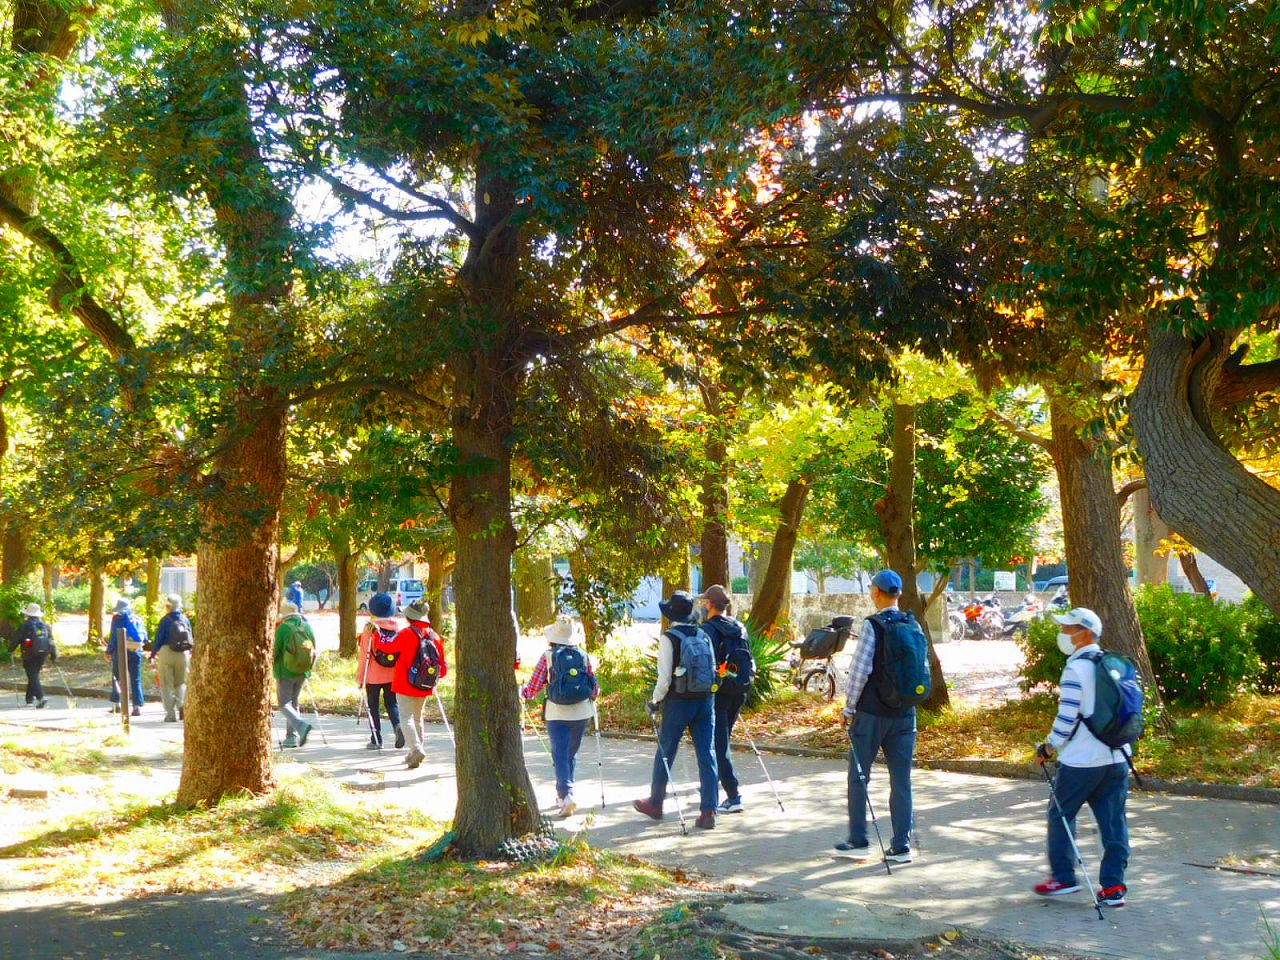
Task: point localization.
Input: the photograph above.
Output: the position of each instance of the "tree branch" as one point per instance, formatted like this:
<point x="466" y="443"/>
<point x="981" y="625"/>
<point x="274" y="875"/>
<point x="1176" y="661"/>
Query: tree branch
<point x="1240" y="382"/>
<point x="366" y="383"/>
<point x="1038" y="114"/>
<point x="1018" y="430"/>
<point x="442" y="209"/>
<point x="1129" y="489"/>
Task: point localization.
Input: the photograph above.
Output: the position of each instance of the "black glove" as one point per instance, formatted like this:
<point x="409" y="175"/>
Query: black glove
<point x="1043" y="752"/>
<point x="652" y="709"/>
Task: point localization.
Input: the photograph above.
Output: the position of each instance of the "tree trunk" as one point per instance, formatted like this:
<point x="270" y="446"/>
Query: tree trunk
<point x="896" y="512"/>
<point x="715" y="496"/>
<point x="347" y="563"/>
<point x="677" y="576"/>
<point x="384" y="575"/>
<point x="1094" y="549"/>
<point x="495" y="797"/>
<point x="1191" y="567"/>
<point x="437" y="572"/>
<point x="96" y="602"/>
<point x="16" y="554"/>
<point x="771" y="603"/>
<point x="535" y="590"/>
<point x="153" y="587"/>
<point x="1200" y="489"/>
<point x="47" y="569"/>
<point x="1148" y="530"/>
<point x="228" y="713"/>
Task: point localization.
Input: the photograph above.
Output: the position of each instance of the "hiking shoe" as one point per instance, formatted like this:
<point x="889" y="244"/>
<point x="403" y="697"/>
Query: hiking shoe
<point x="303" y="734"/>
<point x="40" y="704"/>
<point x="135" y="712"/>
<point x="415" y="758"/>
<point x="1112" y="896"/>
<point x="181" y="714"/>
<point x="115" y="708"/>
<point x="649" y="808"/>
<point x="567" y="807"/>
<point x="853" y="851"/>
<point x="373" y="745"/>
<point x="399" y="738"/>
<point x="706" y="820"/>
<point x="730" y="805"/>
<point x="1052" y="888"/>
<point x="289" y="743"/>
<point x="170" y="719"/>
<point x="898" y="855"/>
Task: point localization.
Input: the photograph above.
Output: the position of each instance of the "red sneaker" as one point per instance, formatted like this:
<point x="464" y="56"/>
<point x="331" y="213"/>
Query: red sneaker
<point x="706" y="821"/>
<point x="1112" y="896"/>
<point x="1052" y="888"/>
<point x="650" y="809"/>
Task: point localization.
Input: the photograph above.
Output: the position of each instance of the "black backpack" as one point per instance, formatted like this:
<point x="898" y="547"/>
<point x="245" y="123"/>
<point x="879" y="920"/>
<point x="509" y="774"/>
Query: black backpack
<point x="179" y="635"/>
<point x="902" y="654"/>
<point x="384" y="658"/>
<point x="424" y="671"/>
<point x="733" y="653"/>
<point x="39" y="639"/>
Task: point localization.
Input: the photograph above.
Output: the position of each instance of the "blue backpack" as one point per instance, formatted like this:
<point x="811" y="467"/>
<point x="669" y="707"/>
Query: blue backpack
<point x="902" y="654"/>
<point x="733" y="652"/>
<point x="1117" y="701"/>
<point x="694" y="673"/>
<point x="568" y="681"/>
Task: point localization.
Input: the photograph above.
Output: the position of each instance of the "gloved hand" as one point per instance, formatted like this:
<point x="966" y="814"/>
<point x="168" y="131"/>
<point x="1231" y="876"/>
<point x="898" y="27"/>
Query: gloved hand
<point x="1044" y="752"/>
<point x="652" y="709"/>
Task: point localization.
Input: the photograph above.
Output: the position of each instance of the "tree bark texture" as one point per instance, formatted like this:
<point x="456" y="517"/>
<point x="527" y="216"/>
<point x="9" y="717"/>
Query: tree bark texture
<point x="535" y="590"/>
<point x="1148" y="530"/>
<point x="771" y="603"/>
<point x="1200" y="489"/>
<point x="153" y="587"/>
<point x="96" y="602"/>
<point x="16" y="554"/>
<point x="896" y="512"/>
<point x="715" y="496"/>
<point x="1094" y="549"/>
<point x="47" y="569"/>
<point x="346" y="562"/>
<point x="1191" y="567"/>
<point x="438" y="567"/>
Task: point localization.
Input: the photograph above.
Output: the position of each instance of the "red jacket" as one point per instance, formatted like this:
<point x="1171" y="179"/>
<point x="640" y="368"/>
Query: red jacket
<point x="406" y="642"/>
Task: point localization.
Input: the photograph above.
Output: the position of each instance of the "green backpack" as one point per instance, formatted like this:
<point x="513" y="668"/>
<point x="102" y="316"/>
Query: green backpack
<point x="299" y="648"/>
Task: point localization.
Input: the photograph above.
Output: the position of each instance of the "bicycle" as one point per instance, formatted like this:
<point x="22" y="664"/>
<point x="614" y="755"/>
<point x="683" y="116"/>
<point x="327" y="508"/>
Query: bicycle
<point x="819" y="678"/>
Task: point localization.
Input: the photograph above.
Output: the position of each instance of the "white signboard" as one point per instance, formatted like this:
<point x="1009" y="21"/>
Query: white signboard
<point x="1004" y="580"/>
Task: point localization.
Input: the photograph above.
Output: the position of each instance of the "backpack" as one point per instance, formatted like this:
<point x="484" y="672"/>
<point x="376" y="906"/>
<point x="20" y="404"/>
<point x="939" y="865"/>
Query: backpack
<point x="694" y="673"/>
<point x="299" y="648"/>
<point x="179" y="635"/>
<point x="41" y="639"/>
<point x="826" y="641"/>
<point x="1117" y="700"/>
<point x="568" y="681"/>
<point x="383" y="657"/>
<point x="902" y="654"/>
<point x="734" y="662"/>
<point x="424" y="671"/>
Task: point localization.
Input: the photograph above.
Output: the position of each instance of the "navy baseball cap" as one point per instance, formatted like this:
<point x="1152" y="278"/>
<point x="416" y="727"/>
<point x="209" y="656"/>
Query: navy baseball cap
<point x="888" y="581"/>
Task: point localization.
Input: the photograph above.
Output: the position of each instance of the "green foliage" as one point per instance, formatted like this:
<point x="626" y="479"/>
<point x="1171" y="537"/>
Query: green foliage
<point x="740" y="585"/>
<point x="1042" y="660"/>
<point x="1265" y="629"/>
<point x="13" y="597"/>
<point x="73" y="599"/>
<point x="770" y="655"/>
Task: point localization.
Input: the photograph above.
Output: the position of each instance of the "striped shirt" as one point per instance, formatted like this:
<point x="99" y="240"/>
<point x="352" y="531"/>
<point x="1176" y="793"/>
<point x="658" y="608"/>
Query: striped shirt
<point x="1076" y="745"/>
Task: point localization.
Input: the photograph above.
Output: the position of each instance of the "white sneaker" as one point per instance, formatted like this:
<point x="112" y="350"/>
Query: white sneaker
<point x="567" y="808"/>
<point x="733" y="805"/>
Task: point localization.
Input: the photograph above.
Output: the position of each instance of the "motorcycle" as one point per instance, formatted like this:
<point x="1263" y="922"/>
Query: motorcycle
<point x="983" y="619"/>
<point x="1018" y="620"/>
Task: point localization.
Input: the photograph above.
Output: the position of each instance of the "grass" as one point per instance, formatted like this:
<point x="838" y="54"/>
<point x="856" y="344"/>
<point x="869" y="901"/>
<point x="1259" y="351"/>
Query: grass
<point x="69" y="754"/>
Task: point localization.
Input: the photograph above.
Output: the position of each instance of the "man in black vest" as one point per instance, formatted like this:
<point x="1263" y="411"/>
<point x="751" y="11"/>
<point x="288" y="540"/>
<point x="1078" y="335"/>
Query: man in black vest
<point x="725" y="630"/>
<point x="874" y="726"/>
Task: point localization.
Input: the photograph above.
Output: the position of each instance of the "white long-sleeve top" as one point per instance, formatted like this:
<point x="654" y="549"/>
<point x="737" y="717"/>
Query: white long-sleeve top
<point x="666" y="663"/>
<point x="1070" y="736"/>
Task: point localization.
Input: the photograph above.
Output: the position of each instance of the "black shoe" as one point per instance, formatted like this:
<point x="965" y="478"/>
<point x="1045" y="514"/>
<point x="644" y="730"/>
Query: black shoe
<point x="40" y="703"/>
<point x="136" y="712"/>
<point x="399" y="738"/>
<point x="853" y="851"/>
<point x="898" y="855"/>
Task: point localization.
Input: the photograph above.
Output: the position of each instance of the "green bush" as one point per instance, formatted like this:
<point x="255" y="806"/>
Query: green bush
<point x="13" y="597"/>
<point x="740" y="585"/>
<point x="1042" y="660"/>
<point x="1266" y="643"/>
<point x="770" y="655"/>
<point x="71" y="599"/>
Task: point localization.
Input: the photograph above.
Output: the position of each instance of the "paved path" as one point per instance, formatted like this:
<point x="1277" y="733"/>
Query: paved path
<point x="980" y="841"/>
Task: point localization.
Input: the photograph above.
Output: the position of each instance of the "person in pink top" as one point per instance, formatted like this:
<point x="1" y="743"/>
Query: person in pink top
<point x="375" y="667"/>
<point x="412" y="689"/>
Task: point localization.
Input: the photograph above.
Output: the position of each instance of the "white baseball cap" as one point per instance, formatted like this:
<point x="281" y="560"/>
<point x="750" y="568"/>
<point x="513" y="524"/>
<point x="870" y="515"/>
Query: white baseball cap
<point x="1081" y="617"/>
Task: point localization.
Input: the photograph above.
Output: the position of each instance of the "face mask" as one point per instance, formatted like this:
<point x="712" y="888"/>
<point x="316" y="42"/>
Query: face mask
<point x="1065" y="644"/>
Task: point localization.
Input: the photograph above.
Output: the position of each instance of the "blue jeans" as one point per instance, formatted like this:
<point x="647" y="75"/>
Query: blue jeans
<point x="133" y="659"/>
<point x="728" y="706"/>
<point x="868" y="735"/>
<point x="699" y="718"/>
<point x="1105" y="790"/>
<point x="566" y="738"/>
<point x="371" y="692"/>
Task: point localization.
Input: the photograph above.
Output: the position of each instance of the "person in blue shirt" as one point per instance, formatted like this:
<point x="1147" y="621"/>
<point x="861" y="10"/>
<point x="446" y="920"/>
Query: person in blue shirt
<point x="294" y="594"/>
<point x="171" y="650"/>
<point x="135" y="640"/>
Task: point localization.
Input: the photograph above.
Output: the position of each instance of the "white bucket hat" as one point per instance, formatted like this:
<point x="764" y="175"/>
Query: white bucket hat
<point x="32" y="610"/>
<point x="562" y="633"/>
<point x="173" y="601"/>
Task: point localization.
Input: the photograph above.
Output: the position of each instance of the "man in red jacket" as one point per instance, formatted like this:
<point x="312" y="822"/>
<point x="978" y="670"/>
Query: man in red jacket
<point x="415" y="676"/>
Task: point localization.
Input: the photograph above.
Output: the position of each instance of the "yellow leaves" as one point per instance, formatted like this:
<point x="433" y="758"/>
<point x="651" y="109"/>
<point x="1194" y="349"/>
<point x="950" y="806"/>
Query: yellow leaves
<point x="506" y="19"/>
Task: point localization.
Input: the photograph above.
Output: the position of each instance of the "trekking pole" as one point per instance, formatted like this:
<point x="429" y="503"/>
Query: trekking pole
<point x="759" y="757"/>
<point x="71" y="700"/>
<point x="445" y="720"/>
<point x="595" y="712"/>
<point x="362" y="706"/>
<point x="866" y="792"/>
<point x="1075" y="848"/>
<point x="315" y="709"/>
<point x="17" y="680"/>
<point x="684" y="829"/>
<point x="524" y="719"/>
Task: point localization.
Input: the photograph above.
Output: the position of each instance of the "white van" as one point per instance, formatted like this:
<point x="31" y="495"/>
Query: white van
<point x="403" y="591"/>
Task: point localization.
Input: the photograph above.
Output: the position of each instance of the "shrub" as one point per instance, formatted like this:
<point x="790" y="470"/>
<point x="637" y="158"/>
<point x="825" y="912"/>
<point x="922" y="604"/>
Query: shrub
<point x="740" y="585"/>
<point x="770" y="655"/>
<point x="13" y="597"/>
<point x="71" y="599"/>
<point x="1266" y="643"/>
<point x="1201" y="649"/>
<point x="1042" y="660"/>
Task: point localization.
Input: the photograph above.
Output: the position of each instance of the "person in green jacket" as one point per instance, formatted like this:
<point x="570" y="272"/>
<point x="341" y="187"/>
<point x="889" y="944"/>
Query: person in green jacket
<point x="292" y="629"/>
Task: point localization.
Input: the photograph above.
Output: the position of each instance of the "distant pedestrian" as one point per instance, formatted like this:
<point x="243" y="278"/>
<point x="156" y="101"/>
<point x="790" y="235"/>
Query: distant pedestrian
<point x="171" y="652"/>
<point x="1089" y="771"/>
<point x="375" y="667"/>
<point x="735" y="667"/>
<point x="685" y="693"/>
<point x="419" y="667"/>
<point x="292" y="658"/>
<point x="35" y="639"/>
<point x="564" y="670"/>
<point x="126" y="621"/>
<point x="295" y="596"/>
<point x="880" y="715"/>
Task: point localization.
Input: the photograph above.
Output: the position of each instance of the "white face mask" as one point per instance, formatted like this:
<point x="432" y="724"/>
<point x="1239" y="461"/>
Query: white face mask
<point x="1066" y="644"/>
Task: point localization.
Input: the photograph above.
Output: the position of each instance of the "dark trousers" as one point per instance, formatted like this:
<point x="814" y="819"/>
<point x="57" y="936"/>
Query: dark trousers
<point x="1105" y="790"/>
<point x="371" y="691"/>
<point x="566" y="738"/>
<point x="728" y="706"/>
<point x="869" y="735"/>
<point x="33" y="664"/>
<point x="699" y="718"/>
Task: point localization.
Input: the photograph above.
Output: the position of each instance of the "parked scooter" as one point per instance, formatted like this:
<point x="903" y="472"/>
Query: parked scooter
<point x="1018" y="620"/>
<point x="983" y="619"/>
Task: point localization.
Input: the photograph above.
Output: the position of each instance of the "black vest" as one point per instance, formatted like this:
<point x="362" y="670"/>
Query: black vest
<point x="870" y="701"/>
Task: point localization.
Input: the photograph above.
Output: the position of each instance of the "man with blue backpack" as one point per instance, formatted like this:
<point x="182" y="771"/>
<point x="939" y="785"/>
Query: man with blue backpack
<point x="564" y="671"/>
<point x="685" y="693"/>
<point x="888" y="678"/>
<point x="1099" y="718"/>
<point x="735" y="667"/>
<point x="127" y="628"/>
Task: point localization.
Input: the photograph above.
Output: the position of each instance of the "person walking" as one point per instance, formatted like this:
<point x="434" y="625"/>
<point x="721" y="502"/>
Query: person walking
<point x="1089" y="771"/>
<point x="295" y="596"/>
<point x="375" y="667"/>
<point x="414" y="678"/>
<point x="35" y="638"/>
<point x="735" y="667"/>
<point x="876" y="721"/>
<point x="565" y="672"/>
<point x="126" y="621"/>
<point x="171" y="653"/>
<point x="292" y="657"/>
<point x="685" y="693"/>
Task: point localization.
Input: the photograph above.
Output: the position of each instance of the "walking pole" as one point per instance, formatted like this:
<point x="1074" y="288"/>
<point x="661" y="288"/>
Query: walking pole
<point x="71" y="700"/>
<point x="524" y="719"/>
<point x="684" y="829"/>
<point x="17" y="680"/>
<point x="866" y="792"/>
<point x="315" y="709"/>
<point x="445" y="720"/>
<point x="765" y="769"/>
<point x="1053" y="795"/>
<point x="361" y="706"/>
<point x="595" y="712"/>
